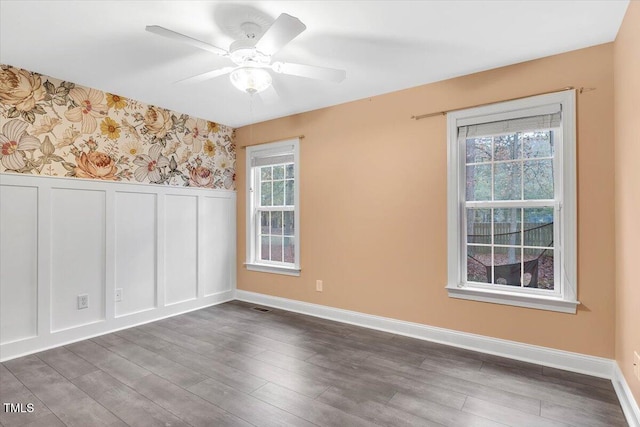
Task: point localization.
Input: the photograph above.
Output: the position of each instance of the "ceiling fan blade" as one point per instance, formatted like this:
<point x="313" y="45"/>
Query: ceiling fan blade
<point x="269" y="96"/>
<point x="284" y="29"/>
<point x="206" y="76"/>
<point x="310" y="71"/>
<point x="164" y="32"/>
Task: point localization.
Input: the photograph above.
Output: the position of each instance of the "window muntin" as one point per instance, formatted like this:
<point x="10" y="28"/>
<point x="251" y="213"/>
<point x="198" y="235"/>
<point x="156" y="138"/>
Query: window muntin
<point x="512" y="186"/>
<point x="272" y="208"/>
<point x="275" y="213"/>
<point x="509" y="210"/>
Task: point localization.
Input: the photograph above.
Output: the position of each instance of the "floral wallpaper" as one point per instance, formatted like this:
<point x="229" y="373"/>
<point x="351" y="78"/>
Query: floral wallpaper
<point x="57" y="128"/>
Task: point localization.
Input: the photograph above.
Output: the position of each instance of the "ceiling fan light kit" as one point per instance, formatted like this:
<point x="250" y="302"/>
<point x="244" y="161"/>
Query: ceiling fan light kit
<point x="250" y="79"/>
<point x="252" y="55"/>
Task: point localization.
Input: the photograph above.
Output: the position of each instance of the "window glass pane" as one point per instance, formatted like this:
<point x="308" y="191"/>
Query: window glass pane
<point x="264" y="248"/>
<point x="289" y="192"/>
<point x="289" y="250"/>
<point x="539" y="263"/>
<point x="479" y="150"/>
<point x="538" y="227"/>
<point x="278" y="172"/>
<point x="538" y="144"/>
<point x="479" y="226"/>
<point x="264" y="222"/>
<point x="265" y="194"/>
<point x="289" y="226"/>
<point x="538" y="179"/>
<point x="507" y="265"/>
<point x="507" y="181"/>
<point x="276" y="248"/>
<point x="478" y="264"/>
<point x="478" y="182"/>
<point x="289" y="171"/>
<point x="265" y="173"/>
<point x="278" y="193"/>
<point x="276" y="223"/>
<point x="507" y="224"/>
<point x="507" y="147"/>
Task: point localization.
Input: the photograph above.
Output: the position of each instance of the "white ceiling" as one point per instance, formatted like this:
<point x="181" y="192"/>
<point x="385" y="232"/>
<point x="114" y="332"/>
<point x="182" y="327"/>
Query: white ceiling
<point x="383" y="45"/>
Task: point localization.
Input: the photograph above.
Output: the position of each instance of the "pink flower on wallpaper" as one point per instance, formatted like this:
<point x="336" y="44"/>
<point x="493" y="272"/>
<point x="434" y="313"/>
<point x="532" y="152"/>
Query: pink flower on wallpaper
<point x="200" y="177"/>
<point x="150" y="165"/>
<point x="91" y="104"/>
<point x="14" y="141"/>
<point x="96" y="165"/>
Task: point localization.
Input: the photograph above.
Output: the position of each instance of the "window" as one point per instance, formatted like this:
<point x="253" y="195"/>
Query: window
<point x="273" y="236"/>
<point x="512" y="203"/>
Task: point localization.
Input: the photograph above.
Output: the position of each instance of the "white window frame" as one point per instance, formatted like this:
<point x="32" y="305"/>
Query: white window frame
<point x="253" y="261"/>
<point x="564" y="297"/>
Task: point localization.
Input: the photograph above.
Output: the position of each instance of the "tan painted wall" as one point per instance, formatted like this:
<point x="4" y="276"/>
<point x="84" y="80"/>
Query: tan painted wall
<point x="373" y="205"/>
<point x="627" y="183"/>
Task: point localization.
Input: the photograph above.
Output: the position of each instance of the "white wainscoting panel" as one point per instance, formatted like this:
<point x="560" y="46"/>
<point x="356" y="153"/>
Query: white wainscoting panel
<point x="18" y="263"/>
<point x="180" y="248"/>
<point x="62" y="237"/>
<point x="215" y="268"/>
<point x="135" y="251"/>
<point x="77" y="256"/>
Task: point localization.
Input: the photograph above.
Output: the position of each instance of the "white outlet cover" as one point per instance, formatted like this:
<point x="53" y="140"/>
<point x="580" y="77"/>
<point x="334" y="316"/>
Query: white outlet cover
<point x="83" y="301"/>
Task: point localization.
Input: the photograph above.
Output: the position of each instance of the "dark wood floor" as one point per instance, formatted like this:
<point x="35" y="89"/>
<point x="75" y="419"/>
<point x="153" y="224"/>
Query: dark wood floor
<point x="231" y="365"/>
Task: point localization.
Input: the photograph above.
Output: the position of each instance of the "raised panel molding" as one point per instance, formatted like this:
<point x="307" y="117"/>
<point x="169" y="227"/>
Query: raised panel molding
<point x="135" y="251"/>
<point x="214" y="266"/>
<point x="77" y="256"/>
<point x="181" y="248"/>
<point x="62" y="237"/>
<point x="18" y="263"/>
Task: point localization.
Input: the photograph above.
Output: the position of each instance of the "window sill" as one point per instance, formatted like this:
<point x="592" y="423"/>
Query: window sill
<point x="512" y="298"/>
<point x="274" y="269"/>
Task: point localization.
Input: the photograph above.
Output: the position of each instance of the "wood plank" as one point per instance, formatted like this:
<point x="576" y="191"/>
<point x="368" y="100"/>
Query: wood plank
<point x="130" y="406"/>
<point x="70" y="404"/>
<point x="231" y="365"/>
<point x="311" y="410"/>
<point x="184" y="404"/>
<point x="246" y="406"/>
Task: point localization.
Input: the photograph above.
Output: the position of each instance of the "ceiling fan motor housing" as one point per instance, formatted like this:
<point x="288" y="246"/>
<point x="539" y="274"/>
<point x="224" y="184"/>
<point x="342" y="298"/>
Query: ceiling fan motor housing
<point x="244" y="53"/>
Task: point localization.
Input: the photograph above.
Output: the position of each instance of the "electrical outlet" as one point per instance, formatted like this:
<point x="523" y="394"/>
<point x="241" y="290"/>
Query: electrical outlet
<point x="118" y="294"/>
<point x="319" y="285"/>
<point x="636" y="364"/>
<point x="83" y="301"/>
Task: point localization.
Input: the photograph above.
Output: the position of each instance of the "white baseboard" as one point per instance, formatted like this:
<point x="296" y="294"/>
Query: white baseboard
<point x="574" y="362"/>
<point x="627" y="401"/>
<point x="44" y="342"/>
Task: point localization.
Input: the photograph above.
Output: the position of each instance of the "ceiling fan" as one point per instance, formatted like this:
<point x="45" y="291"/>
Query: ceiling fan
<point x="252" y="55"/>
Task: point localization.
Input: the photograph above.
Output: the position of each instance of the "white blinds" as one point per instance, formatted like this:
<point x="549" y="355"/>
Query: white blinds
<point x="273" y="156"/>
<point x="539" y="118"/>
<point x="524" y="124"/>
<point x="272" y="160"/>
